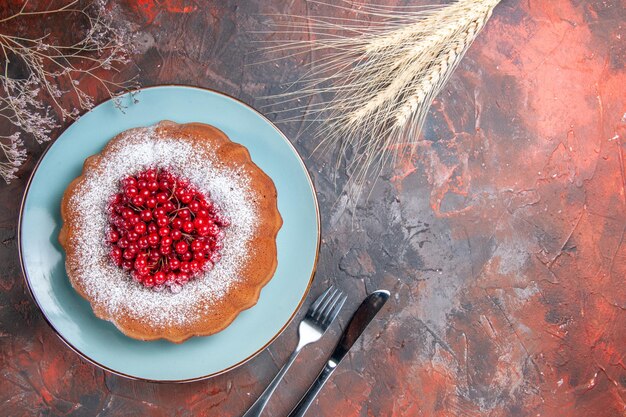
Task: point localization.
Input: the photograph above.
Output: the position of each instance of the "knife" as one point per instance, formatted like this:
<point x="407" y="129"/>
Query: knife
<point x="359" y="321"/>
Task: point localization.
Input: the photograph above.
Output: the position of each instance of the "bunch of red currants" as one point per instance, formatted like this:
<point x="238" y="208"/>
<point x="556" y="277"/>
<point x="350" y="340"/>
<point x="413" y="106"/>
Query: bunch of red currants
<point x="163" y="230"/>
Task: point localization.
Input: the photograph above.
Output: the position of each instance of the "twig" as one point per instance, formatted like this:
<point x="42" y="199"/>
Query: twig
<point x="53" y="69"/>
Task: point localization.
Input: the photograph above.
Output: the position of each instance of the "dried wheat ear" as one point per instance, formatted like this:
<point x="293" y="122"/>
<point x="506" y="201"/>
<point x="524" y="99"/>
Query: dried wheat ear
<point x="381" y="66"/>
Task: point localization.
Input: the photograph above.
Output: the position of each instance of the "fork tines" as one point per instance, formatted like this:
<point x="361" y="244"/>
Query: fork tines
<point x="327" y="306"/>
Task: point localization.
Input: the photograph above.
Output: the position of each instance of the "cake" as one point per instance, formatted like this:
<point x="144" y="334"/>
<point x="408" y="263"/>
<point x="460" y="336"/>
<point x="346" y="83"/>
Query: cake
<point x="170" y="231"/>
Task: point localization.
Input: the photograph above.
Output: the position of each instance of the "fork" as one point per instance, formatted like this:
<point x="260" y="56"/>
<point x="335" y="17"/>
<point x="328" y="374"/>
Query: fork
<point x="317" y="319"/>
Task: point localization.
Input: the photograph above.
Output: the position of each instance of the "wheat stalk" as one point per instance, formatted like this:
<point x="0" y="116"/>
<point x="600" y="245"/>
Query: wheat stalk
<point x="384" y="67"/>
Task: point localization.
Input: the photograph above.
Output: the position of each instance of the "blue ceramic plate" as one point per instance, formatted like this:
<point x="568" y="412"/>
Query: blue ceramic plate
<point x="99" y="341"/>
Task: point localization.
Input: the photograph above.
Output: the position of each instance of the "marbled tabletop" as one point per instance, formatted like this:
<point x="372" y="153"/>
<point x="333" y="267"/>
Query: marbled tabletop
<point x="501" y="240"/>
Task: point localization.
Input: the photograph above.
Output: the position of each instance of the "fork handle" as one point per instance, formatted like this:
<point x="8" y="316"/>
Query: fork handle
<point x="308" y="398"/>
<point x="256" y="409"/>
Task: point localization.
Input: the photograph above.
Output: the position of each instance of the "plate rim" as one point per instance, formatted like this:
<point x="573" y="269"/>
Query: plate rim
<point x="213" y="374"/>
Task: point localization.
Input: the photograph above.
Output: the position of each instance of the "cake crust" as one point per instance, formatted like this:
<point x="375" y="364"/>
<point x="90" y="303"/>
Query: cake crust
<point x="255" y="272"/>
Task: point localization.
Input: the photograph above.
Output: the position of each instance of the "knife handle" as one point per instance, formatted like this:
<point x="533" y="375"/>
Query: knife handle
<point x="308" y="398"/>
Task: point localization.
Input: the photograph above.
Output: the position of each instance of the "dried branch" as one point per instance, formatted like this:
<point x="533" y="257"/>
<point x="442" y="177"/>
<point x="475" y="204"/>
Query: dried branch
<point x="14" y="154"/>
<point x="46" y="67"/>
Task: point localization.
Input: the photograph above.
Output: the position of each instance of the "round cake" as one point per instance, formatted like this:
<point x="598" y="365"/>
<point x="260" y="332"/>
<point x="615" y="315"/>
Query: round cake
<point x="170" y="231"/>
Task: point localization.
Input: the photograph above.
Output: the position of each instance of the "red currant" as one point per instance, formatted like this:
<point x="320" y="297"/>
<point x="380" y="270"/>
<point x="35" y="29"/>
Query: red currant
<point x="181" y="247"/>
<point x="131" y="191"/>
<point x="188" y="227"/>
<point x="151" y="202"/>
<point x="140" y="263"/>
<point x="151" y="174"/>
<point x="145" y="215"/>
<point x="114" y="236"/>
<point x="165" y="250"/>
<point x="184" y="267"/>
<point x="142" y="242"/>
<point x="194" y="206"/>
<point x="159" y="278"/>
<point x="176" y="234"/>
<point x="174" y="263"/>
<point x="137" y="200"/>
<point x="203" y="230"/>
<point x="197" y="245"/>
<point x="140" y="228"/>
<point x="116" y="252"/>
<point x="161" y="198"/>
<point x="162" y="221"/>
<point x="222" y="221"/>
<point x="205" y="203"/>
<point x="153" y="239"/>
<point x="200" y="221"/>
<point x="129" y="182"/>
<point x="177" y="223"/>
<point x="214" y="229"/>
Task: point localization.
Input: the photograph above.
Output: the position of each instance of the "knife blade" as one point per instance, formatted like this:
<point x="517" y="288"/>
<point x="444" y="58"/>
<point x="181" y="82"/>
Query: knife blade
<point x="359" y="321"/>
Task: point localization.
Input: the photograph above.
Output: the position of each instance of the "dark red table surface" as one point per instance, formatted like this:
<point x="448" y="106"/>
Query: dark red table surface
<point x="502" y="240"/>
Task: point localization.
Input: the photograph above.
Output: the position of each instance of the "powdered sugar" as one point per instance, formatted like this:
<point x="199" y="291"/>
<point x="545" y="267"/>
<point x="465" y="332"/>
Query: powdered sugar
<point x="110" y="286"/>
